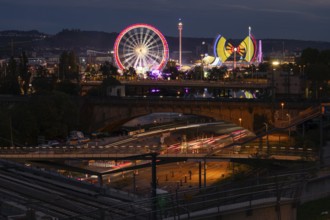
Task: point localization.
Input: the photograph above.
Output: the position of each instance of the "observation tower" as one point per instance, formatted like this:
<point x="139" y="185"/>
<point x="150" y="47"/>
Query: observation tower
<point x="180" y="25"/>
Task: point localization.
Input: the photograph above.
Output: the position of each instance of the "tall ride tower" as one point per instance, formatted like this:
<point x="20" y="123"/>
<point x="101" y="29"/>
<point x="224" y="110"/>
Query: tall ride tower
<point x="260" y="56"/>
<point x="180" y="42"/>
<point x="249" y="44"/>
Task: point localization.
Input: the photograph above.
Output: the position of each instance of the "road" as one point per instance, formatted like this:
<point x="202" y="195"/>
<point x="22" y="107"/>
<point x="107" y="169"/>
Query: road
<point x="169" y="177"/>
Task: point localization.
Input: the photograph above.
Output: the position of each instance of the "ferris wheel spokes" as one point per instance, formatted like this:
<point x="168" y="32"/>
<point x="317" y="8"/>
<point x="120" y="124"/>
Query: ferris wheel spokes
<point x="130" y="43"/>
<point x="147" y="36"/>
<point x="150" y="38"/>
<point x="153" y="56"/>
<point x="130" y="58"/>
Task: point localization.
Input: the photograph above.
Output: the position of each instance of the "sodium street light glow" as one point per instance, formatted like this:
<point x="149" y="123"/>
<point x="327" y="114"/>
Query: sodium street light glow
<point x="276" y="63"/>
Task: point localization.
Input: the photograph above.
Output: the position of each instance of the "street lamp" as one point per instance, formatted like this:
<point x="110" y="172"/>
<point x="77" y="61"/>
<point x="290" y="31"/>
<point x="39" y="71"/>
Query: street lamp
<point x="302" y="70"/>
<point x="282" y="114"/>
<point x="202" y="66"/>
<point x="267" y="144"/>
<point x="57" y="68"/>
<point x="202" y="48"/>
<point x="274" y="65"/>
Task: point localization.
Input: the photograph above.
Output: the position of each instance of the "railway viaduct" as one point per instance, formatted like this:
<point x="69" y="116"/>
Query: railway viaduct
<point x="108" y="112"/>
<point x="115" y="111"/>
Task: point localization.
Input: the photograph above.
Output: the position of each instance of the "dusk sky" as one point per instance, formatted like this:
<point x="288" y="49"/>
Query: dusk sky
<point x="279" y="19"/>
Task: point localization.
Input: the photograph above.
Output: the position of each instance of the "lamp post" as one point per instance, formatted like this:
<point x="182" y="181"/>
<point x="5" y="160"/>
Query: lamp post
<point x="302" y="74"/>
<point x="240" y="124"/>
<point x="282" y="113"/>
<point x="203" y="51"/>
<point x="202" y="66"/>
<point x="274" y="65"/>
<point x="57" y="68"/>
<point x="267" y="144"/>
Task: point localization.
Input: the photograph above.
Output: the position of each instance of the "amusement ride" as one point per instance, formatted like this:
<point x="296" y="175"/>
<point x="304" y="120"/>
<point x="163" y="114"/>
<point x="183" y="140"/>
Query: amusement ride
<point x="142" y="47"/>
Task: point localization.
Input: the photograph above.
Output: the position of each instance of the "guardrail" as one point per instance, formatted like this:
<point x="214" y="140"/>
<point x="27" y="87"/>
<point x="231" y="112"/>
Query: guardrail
<point x="130" y="151"/>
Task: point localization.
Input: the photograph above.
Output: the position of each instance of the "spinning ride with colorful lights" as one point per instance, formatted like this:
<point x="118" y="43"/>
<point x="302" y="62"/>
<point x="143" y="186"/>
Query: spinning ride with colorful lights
<point x="246" y="50"/>
<point x="142" y="47"/>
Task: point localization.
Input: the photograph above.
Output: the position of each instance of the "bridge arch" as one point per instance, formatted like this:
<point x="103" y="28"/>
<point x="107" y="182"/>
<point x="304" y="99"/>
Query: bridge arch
<point x="116" y="112"/>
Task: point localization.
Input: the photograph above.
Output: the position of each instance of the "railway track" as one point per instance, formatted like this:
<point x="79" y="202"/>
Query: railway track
<point x="61" y="200"/>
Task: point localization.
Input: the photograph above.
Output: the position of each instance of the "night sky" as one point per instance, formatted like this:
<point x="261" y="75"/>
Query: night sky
<point x="279" y="19"/>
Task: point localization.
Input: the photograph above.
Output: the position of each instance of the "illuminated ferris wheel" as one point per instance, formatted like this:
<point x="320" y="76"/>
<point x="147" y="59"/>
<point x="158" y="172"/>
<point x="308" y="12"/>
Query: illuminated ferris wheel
<point x="142" y="47"/>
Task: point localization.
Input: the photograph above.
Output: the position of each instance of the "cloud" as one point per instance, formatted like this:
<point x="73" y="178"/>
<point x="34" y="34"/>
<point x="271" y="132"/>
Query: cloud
<point x="313" y="3"/>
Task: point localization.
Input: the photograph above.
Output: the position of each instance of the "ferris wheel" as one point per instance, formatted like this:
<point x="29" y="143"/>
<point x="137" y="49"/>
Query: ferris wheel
<point x="142" y="47"/>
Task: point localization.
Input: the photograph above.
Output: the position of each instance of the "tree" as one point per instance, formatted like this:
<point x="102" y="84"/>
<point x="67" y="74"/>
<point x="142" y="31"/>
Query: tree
<point x="309" y="56"/>
<point x="217" y="73"/>
<point x="42" y="71"/>
<point x="51" y="116"/>
<point x="56" y="114"/>
<point x="108" y="69"/>
<point x="3" y="71"/>
<point x="318" y="74"/>
<point x="324" y="57"/>
<point x="24" y="73"/>
<point x="24" y="124"/>
<point x="63" y="65"/>
<point x="317" y="70"/>
<point x="10" y="84"/>
<point x="132" y="71"/>
<point x="287" y="67"/>
<point x="43" y="85"/>
<point x="5" y="126"/>
<point x="198" y="72"/>
<point x="43" y="82"/>
<point x="171" y="69"/>
<point x="264" y="67"/>
<point x="73" y="66"/>
<point x="68" y="66"/>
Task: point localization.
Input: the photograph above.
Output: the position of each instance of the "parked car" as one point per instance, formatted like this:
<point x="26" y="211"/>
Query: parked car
<point x="53" y="143"/>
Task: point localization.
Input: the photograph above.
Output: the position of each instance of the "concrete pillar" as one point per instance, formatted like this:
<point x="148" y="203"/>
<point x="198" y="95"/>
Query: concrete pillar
<point x="200" y="174"/>
<point x="100" y="179"/>
<point x="204" y="173"/>
<point x="154" y="185"/>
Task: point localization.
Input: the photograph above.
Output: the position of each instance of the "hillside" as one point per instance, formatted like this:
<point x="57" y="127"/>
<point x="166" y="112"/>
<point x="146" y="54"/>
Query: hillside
<point x="12" y="42"/>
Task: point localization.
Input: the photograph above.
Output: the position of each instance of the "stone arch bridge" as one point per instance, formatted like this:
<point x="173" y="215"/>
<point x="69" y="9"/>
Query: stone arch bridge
<point x="110" y="113"/>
